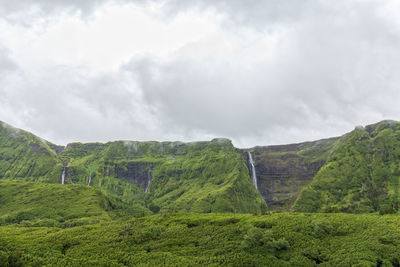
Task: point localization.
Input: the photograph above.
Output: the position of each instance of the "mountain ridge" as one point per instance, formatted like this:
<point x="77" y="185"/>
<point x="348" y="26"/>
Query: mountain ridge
<point x="207" y="176"/>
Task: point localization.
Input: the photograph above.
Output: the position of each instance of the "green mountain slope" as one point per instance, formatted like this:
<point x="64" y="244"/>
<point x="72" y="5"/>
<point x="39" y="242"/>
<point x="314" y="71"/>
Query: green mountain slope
<point x="23" y="155"/>
<point x="40" y="204"/>
<point x="200" y="176"/>
<point x="362" y="174"/>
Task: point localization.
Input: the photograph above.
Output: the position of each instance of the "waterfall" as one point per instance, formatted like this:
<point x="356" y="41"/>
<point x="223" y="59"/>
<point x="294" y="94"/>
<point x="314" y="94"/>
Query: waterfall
<point x="253" y="171"/>
<point x="148" y="181"/>
<point x="63" y="176"/>
<point x="90" y="178"/>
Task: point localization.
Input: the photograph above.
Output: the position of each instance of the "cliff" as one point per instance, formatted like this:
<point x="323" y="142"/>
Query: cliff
<point x="282" y="171"/>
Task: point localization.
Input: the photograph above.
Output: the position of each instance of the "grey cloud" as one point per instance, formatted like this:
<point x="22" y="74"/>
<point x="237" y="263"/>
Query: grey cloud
<point x="334" y="66"/>
<point x="252" y="12"/>
<point x="6" y="63"/>
<point x="23" y="12"/>
<point x="71" y="104"/>
<point x="48" y="5"/>
<point x="331" y="71"/>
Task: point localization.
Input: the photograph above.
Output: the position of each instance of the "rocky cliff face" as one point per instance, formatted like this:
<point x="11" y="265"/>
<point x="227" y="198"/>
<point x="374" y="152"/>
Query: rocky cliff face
<point x="139" y="173"/>
<point x="282" y="171"/>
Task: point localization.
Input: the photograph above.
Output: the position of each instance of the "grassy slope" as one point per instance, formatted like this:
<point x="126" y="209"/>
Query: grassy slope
<point x="39" y="204"/>
<point x="23" y="155"/>
<point x="200" y="176"/>
<point x="281" y="239"/>
<point x="362" y="174"/>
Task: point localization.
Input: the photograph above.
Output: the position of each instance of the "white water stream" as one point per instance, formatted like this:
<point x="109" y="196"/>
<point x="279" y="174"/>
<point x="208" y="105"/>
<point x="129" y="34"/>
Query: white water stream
<point x="63" y="176"/>
<point x="253" y="171"/>
<point x="90" y="178"/>
<point x="149" y="174"/>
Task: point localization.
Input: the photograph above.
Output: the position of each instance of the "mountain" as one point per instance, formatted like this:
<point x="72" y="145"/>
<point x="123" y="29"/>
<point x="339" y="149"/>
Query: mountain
<point x="24" y="155"/>
<point x="199" y="177"/>
<point x="168" y="176"/>
<point x="361" y="175"/>
<point x="94" y="204"/>
<point x="357" y="172"/>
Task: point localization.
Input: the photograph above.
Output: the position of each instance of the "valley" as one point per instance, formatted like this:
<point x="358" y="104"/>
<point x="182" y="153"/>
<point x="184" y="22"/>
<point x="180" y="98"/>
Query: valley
<point x="332" y="202"/>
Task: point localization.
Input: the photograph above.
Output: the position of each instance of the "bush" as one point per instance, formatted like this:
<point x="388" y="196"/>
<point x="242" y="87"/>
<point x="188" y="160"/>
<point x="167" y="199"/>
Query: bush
<point x="3" y="259"/>
<point x="322" y="228"/>
<point x="257" y="237"/>
<point x="387" y="209"/>
<point x="154" y="208"/>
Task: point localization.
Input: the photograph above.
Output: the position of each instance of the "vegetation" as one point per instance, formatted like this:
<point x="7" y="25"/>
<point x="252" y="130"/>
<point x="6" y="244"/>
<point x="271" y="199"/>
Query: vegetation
<point x="173" y="176"/>
<point x="361" y="175"/>
<point x="123" y="203"/>
<point x="23" y="155"/>
<point x="38" y="204"/>
<point x="281" y="239"/>
<point x="167" y="176"/>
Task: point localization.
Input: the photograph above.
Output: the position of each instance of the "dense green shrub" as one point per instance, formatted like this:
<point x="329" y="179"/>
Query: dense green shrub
<point x="256" y="237"/>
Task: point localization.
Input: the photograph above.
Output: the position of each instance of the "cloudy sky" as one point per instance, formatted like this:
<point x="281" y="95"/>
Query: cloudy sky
<point x="257" y="72"/>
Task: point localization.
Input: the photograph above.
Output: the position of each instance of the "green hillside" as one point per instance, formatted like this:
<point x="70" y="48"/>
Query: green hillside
<point x="167" y="176"/>
<point x="39" y="204"/>
<point x="361" y="175"/>
<point x="171" y="176"/>
<point x="23" y="155"/>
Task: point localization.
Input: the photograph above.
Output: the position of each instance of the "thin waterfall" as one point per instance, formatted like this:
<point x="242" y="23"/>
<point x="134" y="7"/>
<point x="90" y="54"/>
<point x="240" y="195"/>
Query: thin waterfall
<point x="90" y="178"/>
<point x="253" y="171"/>
<point x="148" y="181"/>
<point x="63" y="176"/>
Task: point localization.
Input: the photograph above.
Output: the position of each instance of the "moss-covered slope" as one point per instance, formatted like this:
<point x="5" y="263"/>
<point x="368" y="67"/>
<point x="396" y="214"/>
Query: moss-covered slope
<point x="200" y="176"/>
<point x="23" y="155"/>
<point x="362" y="174"/>
<point x="39" y="204"/>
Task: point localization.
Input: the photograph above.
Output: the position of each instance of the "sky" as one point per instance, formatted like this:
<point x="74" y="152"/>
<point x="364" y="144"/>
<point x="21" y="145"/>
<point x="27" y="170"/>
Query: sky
<point x="256" y="72"/>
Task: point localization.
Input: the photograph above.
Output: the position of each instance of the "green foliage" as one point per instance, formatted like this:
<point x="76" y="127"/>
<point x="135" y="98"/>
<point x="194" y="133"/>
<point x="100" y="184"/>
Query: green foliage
<point x="361" y="175"/>
<point x="23" y="155"/>
<point x="199" y="177"/>
<point x="257" y="237"/>
<point x="36" y="205"/>
<point x="188" y="239"/>
<point x="322" y="228"/>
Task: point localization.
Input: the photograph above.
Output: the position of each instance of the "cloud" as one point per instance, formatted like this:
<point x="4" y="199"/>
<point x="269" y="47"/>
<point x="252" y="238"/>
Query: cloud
<point x="48" y="6"/>
<point x="259" y="72"/>
<point x="6" y="63"/>
<point x="329" y="72"/>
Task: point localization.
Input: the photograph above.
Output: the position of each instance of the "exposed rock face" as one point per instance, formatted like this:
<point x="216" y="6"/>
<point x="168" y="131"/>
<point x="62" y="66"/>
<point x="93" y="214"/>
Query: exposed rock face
<point x="282" y="171"/>
<point x="134" y="172"/>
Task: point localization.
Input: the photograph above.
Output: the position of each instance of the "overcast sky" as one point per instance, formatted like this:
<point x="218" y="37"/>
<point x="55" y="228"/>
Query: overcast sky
<point x="257" y="72"/>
